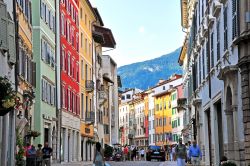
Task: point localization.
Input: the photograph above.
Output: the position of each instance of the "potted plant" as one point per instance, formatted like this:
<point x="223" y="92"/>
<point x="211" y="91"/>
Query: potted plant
<point x="228" y="163"/>
<point x="20" y="151"/>
<point x="33" y="133"/>
<point x="7" y="96"/>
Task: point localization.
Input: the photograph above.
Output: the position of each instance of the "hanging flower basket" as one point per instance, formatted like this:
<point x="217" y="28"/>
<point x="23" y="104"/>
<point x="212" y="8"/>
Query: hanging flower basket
<point x="90" y="141"/>
<point x="33" y="133"/>
<point x="7" y="96"/>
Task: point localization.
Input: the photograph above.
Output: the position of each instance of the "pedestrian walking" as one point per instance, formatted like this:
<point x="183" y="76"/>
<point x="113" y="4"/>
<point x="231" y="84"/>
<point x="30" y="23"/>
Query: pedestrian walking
<point x="99" y="156"/>
<point x="27" y="148"/>
<point x="39" y="155"/>
<point x="195" y="154"/>
<point x="31" y="157"/>
<point x="180" y="153"/>
<point x="47" y="151"/>
<point x="125" y="151"/>
<point x="142" y="154"/>
<point x="170" y="152"/>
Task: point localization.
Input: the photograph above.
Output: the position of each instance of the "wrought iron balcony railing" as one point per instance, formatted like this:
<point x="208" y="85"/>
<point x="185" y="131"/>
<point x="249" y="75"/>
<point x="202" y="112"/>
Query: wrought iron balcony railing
<point x="90" y="117"/>
<point x="89" y="85"/>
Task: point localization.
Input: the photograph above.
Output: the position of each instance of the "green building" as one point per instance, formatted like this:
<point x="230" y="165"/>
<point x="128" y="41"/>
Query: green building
<point x="43" y="22"/>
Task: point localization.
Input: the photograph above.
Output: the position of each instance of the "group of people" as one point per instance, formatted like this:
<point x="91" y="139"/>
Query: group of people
<point x="187" y="153"/>
<point x="133" y="153"/>
<point x="38" y="157"/>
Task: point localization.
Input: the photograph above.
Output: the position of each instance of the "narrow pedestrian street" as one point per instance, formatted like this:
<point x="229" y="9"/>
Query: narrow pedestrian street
<point x="143" y="163"/>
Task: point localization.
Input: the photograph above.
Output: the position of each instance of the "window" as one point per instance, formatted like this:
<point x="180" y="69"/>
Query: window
<point x="203" y="64"/>
<point x="69" y="64"/>
<point x="77" y="42"/>
<point x="77" y="72"/>
<point x="81" y="40"/>
<point x="81" y="13"/>
<point x="225" y="29"/>
<point x="63" y="58"/>
<point x="218" y="39"/>
<point x="86" y="45"/>
<point x="62" y="24"/>
<point x="123" y="97"/>
<point x="212" y="49"/>
<point x="85" y="19"/>
<point x="82" y="105"/>
<point x="86" y="72"/>
<point x="163" y="87"/>
<point x="82" y="70"/>
<point x="235" y="6"/>
<point x="48" y="92"/>
<point x="178" y="121"/>
<point x="200" y="69"/>
<point x="128" y="96"/>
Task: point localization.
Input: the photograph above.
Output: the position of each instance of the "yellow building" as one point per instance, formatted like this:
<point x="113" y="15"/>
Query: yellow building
<point x="86" y="19"/>
<point x="163" y="115"/>
<point x="26" y="64"/>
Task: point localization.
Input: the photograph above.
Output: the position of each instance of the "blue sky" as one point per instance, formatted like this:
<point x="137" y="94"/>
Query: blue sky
<point x="143" y="29"/>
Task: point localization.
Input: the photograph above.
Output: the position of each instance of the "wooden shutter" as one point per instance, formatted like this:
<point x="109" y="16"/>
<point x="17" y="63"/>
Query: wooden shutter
<point x="203" y="64"/>
<point x="11" y="43"/>
<point x="225" y="29"/>
<point x="212" y="49"/>
<point x="218" y="40"/>
<point x="33" y="74"/>
<point x="235" y="30"/>
<point x="3" y="27"/>
<point x="207" y="57"/>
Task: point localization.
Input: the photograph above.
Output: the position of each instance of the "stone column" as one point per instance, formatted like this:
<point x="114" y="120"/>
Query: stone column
<point x="229" y="148"/>
<point x="66" y="159"/>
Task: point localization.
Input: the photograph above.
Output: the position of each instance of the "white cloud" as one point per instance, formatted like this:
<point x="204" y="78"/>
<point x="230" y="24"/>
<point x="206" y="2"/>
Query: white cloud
<point x="141" y="29"/>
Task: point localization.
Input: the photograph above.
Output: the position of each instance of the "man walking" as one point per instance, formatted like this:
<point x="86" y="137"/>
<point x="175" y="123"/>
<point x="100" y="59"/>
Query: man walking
<point x="181" y="153"/>
<point x="195" y="154"/>
<point x="46" y="154"/>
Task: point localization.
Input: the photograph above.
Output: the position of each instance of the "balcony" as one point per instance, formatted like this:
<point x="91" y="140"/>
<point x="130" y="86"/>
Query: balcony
<point x="89" y="85"/>
<point x="90" y="117"/>
<point x="130" y="136"/>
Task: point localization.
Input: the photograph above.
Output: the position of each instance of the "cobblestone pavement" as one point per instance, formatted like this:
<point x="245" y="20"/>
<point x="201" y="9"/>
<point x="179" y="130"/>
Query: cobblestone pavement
<point x="142" y="163"/>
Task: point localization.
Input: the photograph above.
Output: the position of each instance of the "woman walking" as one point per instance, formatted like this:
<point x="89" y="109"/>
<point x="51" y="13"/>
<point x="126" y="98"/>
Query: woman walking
<point x="99" y="158"/>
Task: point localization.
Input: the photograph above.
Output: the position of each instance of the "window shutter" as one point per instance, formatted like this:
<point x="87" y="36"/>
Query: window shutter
<point x="11" y="42"/>
<point x="212" y="50"/>
<point x="235" y="30"/>
<point x="203" y="64"/>
<point x="3" y="27"/>
<point x="218" y="40"/>
<point x="225" y="29"/>
<point x="33" y="74"/>
<point x="20" y="61"/>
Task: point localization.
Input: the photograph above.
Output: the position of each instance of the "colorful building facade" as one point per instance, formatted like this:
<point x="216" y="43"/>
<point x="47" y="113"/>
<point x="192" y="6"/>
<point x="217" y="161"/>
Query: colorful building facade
<point x="86" y="20"/>
<point x="43" y="24"/>
<point x="70" y="98"/>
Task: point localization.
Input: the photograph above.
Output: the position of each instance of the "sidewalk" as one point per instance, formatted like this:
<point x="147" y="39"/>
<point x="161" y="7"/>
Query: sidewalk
<point x="83" y="163"/>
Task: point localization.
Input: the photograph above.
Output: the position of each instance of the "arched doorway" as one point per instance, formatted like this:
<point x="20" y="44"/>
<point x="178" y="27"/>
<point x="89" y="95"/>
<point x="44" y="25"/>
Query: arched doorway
<point x="230" y="123"/>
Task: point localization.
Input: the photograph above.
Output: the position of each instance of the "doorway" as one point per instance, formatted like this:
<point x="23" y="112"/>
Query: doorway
<point x="86" y="150"/>
<point x="46" y="135"/>
<point x="209" y="135"/>
<point x="220" y="129"/>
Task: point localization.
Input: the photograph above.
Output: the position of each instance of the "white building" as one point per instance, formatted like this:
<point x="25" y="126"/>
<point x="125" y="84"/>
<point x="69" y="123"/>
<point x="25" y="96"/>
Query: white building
<point x="110" y="73"/>
<point x="7" y="69"/>
<point x="212" y="80"/>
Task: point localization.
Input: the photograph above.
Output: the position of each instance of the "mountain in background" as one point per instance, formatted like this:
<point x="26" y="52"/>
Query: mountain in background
<point x="146" y="74"/>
